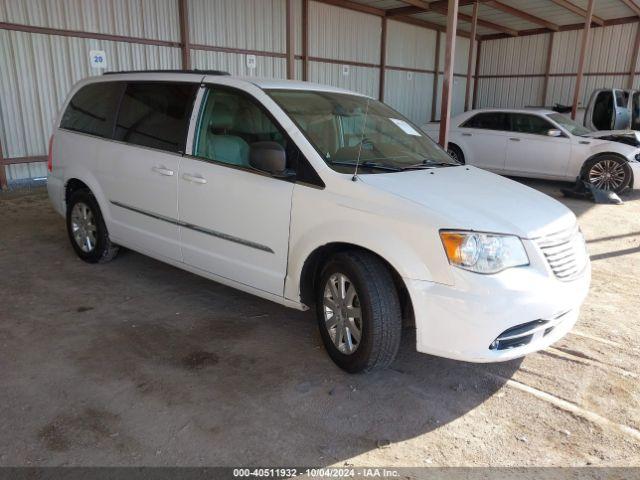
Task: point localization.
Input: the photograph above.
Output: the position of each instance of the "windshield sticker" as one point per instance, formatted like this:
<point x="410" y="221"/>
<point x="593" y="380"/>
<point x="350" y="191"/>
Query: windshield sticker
<point x="405" y="127"/>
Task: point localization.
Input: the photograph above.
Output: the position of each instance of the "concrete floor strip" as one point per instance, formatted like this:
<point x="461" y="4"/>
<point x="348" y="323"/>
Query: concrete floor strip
<point x="594" y="363"/>
<point x="571" y="407"/>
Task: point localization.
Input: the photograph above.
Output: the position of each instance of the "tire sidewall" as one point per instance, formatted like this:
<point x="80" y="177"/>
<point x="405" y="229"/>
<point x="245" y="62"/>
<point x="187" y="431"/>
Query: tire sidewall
<point x="358" y="360"/>
<point x="627" y="170"/>
<point x="102" y="238"/>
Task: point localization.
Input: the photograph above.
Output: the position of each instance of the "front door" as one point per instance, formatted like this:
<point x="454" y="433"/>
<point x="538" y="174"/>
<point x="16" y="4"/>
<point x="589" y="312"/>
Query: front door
<point x="531" y="151"/>
<point x="234" y="219"/>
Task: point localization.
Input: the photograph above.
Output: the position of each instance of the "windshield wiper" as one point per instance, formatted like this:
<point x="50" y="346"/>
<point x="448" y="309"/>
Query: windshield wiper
<point x="372" y="165"/>
<point x="428" y="164"/>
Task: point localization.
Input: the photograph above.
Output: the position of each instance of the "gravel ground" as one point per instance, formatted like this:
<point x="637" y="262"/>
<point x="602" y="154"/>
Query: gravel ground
<point x="139" y="363"/>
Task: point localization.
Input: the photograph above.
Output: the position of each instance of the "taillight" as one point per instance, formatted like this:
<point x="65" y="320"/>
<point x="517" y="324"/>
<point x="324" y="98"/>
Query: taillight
<point x="50" y="157"/>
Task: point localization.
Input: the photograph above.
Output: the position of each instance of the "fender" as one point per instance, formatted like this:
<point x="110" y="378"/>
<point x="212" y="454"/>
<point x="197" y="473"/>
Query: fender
<point x="79" y="172"/>
<point x="393" y="248"/>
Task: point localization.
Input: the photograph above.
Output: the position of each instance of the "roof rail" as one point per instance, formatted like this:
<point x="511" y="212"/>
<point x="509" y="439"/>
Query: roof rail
<point x="202" y="72"/>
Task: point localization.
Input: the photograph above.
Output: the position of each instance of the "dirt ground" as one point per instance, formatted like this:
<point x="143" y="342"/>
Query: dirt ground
<point x="138" y="363"/>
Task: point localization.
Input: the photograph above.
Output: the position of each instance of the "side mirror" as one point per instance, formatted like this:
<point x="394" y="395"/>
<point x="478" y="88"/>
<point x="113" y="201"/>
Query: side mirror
<point x="554" y="132"/>
<point x="269" y="157"/>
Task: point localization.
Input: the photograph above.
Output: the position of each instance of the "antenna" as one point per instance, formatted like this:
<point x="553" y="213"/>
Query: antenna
<point x="364" y="124"/>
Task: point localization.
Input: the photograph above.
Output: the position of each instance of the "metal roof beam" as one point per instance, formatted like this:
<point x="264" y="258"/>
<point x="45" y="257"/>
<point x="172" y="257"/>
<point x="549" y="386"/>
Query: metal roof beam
<point x="566" y="4"/>
<point x="523" y="15"/>
<point x="633" y="6"/>
<point x="441" y="8"/>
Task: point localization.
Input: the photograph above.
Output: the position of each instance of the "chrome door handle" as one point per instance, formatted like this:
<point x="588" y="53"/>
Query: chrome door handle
<point x="514" y="139"/>
<point x="163" y="171"/>
<point x="466" y="134"/>
<point x="194" y="178"/>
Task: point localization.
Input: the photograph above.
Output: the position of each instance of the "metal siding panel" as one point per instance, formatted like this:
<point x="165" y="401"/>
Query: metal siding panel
<point x="157" y="19"/>
<point x="509" y="92"/>
<point x="457" y="96"/>
<point x="236" y="64"/>
<point x="566" y="49"/>
<point x="410" y="46"/>
<point x="461" y="54"/>
<point x="341" y="34"/>
<point x="610" y="48"/>
<point x="514" y="56"/>
<point x="41" y="69"/>
<point x="410" y="94"/>
<point x="247" y="24"/>
<point x="360" y="79"/>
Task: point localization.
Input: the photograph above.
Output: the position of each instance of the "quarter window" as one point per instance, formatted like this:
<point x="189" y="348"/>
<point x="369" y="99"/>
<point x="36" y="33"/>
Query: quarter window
<point x="488" y="121"/>
<point x="156" y="115"/>
<point x="92" y="109"/>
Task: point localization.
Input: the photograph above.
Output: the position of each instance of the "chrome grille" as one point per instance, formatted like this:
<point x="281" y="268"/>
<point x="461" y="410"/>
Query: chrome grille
<point x="565" y="252"/>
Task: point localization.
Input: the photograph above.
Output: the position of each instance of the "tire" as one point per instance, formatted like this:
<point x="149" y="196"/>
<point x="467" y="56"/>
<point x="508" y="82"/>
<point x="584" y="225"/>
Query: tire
<point x="376" y="299"/>
<point x="84" y="220"/>
<point x="455" y="152"/>
<point x="596" y="169"/>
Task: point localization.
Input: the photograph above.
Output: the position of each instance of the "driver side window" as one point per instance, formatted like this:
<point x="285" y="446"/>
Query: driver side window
<point x="532" y="124"/>
<point x="230" y="122"/>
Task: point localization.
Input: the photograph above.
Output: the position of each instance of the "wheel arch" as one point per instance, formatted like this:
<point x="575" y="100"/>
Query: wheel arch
<point x="595" y="156"/>
<point x="457" y="145"/>
<point x="84" y="179"/>
<point x="318" y="257"/>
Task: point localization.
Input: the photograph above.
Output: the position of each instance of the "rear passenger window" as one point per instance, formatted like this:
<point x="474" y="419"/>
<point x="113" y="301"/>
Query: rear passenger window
<point x="156" y="115"/>
<point x="488" y="121"/>
<point x="92" y="109"/>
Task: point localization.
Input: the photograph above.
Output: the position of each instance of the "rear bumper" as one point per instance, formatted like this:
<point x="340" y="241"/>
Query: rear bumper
<point x="55" y="188"/>
<point x="463" y="321"/>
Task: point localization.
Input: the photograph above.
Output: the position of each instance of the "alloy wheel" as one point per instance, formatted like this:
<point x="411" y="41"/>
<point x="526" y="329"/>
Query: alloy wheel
<point x="607" y="174"/>
<point x="342" y="313"/>
<point x="83" y="227"/>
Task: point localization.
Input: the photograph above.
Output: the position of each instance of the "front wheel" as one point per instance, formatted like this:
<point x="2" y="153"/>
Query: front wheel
<point x="358" y="312"/>
<point x="607" y="173"/>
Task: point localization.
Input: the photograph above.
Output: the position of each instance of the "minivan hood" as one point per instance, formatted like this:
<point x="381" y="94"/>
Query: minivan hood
<point x="465" y="197"/>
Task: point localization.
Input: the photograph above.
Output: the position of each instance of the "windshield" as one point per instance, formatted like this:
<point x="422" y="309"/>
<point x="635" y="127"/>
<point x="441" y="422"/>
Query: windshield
<point x="348" y="129"/>
<point x="571" y="126"/>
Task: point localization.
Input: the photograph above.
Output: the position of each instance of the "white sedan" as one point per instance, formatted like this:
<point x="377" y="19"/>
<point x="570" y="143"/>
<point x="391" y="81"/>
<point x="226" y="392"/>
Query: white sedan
<point x="540" y="143"/>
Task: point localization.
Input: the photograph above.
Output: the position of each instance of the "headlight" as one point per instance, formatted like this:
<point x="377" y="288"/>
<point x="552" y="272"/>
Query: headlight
<point x="483" y="252"/>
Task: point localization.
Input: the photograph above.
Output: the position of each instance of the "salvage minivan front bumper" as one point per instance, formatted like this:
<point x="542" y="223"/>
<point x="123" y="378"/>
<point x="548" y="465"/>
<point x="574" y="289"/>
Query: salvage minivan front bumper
<point x="494" y="318"/>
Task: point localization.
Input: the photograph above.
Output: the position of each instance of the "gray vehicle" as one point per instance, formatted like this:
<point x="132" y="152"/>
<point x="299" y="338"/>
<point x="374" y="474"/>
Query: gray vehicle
<point x="612" y="114"/>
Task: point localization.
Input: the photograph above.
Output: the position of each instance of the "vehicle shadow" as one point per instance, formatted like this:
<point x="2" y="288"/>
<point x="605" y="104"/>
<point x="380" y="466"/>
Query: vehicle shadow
<point x="252" y="381"/>
<point x="135" y="362"/>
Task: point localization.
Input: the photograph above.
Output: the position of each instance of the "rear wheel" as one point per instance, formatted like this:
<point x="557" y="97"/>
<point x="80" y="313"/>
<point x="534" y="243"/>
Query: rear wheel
<point x="358" y="312"/>
<point x="455" y="152"/>
<point x="607" y="172"/>
<point x="86" y="228"/>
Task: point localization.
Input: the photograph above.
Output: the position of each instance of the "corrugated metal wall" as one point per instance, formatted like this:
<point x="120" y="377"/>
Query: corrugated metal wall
<point x="39" y="70"/>
<point x="512" y="70"/>
<point x="344" y="48"/>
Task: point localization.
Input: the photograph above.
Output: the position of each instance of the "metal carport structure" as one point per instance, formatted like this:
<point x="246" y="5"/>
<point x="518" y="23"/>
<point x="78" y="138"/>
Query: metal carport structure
<point x="175" y="33"/>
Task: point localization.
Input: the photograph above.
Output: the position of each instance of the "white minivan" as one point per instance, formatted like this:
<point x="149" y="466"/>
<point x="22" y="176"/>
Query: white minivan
<point x="312" y="196"/>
